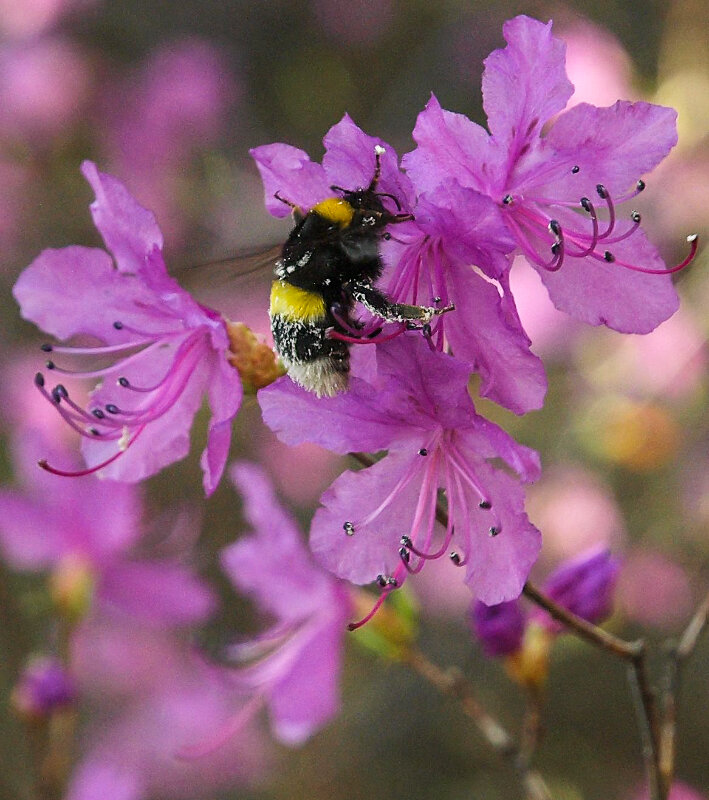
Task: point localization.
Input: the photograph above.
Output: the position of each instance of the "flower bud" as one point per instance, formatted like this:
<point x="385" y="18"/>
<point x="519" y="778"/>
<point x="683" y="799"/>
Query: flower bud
<point x="499" y="628"/>
<point x="44" y="686"/>
<point x="583" y="585"/>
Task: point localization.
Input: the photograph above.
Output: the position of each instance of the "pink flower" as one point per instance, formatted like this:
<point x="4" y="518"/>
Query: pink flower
<point x="84" y="533"/>
<point x="379" y="524"/>
<point x="297" y="661"/>
<point x="166" y="350"/>
<point x="552" y="188"/>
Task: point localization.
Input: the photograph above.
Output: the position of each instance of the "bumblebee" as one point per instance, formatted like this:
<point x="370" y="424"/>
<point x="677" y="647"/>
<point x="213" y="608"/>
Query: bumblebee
<point x="329" y="262"/>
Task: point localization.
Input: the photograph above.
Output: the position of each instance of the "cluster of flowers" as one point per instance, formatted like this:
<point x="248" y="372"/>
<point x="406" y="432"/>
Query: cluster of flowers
<point x="541" y="183"/>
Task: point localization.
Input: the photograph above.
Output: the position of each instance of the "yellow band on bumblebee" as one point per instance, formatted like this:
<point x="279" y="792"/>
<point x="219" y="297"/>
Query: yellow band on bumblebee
<point x="292" y="303"/>
<point x="336" y="210"/>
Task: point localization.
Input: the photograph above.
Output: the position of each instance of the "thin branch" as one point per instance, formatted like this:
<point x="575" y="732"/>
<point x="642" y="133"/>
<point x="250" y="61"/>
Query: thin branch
<point x="453" y="683"/>
<point x="629" y="651"/>
<point x="678" y="654"/>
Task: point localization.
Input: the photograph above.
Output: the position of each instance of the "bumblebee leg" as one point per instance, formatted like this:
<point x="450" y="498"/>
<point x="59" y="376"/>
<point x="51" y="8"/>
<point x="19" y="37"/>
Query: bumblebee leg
<point x="378" y="303"/>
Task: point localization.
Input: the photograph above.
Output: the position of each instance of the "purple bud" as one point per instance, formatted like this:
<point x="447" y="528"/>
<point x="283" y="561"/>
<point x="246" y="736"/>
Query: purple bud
<point x="499" y="628"/>
<point x="43" y="687"/>
<point x="584" y="585"/>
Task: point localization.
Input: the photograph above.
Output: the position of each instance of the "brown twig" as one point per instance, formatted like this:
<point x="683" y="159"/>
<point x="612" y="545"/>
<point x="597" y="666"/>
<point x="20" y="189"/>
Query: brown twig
<point x="678" y="654"/>
<point x="632" y="652"/>
<point x="452" y="682"/>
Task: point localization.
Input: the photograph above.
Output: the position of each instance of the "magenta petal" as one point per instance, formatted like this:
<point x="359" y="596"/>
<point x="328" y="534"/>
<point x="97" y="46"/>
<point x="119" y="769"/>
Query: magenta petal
<point x="98" y="779"/>
<point x="129" y="230"/>
<point x="349" y="162"/>
<point x="166" y="438"/>
<point x="613" y="146"/>
<point x="29" y="537"/>
<point x="298" y="416"/>
<point x="156" y="593"/>
<point x="274" y="565"/>
<point x="450" y="146"/>
<point x="499" y="565"/>
<point x="372" y="549"/>
<point x="600" y="293"/>
<point x="225" y="392"/>
<point x="77" y="290"/>
<point x="289" y="172"/>
<point x="309" y="694"/>
<point x="493" y="343"/>
<point x="525" y="83"/>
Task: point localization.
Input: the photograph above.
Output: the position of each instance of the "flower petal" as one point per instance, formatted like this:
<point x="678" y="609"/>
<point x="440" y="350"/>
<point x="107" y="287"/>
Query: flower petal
<point x="524" y="84"/>
<point x="349" y="162"/>
<point x="129" y="230"/>
<point x="156" y="593"/>
<point x="225" y="392"/>
<point x="601" y="293"/>
<point x="289" y="173"/>
<point x="613" y="146"/>
<point x="373" y="548"/>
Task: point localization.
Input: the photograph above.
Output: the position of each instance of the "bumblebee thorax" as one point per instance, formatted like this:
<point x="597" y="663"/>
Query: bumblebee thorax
<point x="335" y="210"/>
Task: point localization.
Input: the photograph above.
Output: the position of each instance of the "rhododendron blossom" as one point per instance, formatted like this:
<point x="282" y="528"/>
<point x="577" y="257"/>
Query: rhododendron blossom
<point x="558" y="190"/>
<point x="380" y="523"/>
<point x="165" y="350"/>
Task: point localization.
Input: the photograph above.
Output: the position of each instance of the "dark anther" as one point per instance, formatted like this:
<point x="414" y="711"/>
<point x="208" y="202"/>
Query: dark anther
<point x="59" y="393"/>
<point x="404" y="555"/>
<point x="555" y="248"/>
<point x="49" y="364"/>
<point x="494" y="530"/>
<point x="381" y="580"/>
<point x="47" y="348"/>
<point x="112" y="408"/>
<point x="602" y="191"/>
<point x="507" y="199"/>
<point x="98" y="413"/>
<point x="436" y="301"/>
<point x="423" y="452"/>
<point x="640" y="186"/>
<point x="348" y="528"/>
<point x="426" y="329"/>
<point x="609" y="257"/>
<point x="386" y="236"/>
<point x="455" y="558"/>
<point x="575" y="169"/>
<point x="554" y="227"/>
<point x="406" y="541"/>
<point x="124" y="382"/>
<point x="486" y="504"/>
<point x="387" y="580"/>
<point x="635" y="216"/>
<point x="118" y="325"/>
<point x="39" y="380"/>
<point x="586" y="204"/>
<point x="94" y="431"/>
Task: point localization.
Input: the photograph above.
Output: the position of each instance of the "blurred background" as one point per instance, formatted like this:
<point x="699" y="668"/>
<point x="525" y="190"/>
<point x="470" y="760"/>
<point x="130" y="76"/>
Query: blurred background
<point x="169" y="95"/>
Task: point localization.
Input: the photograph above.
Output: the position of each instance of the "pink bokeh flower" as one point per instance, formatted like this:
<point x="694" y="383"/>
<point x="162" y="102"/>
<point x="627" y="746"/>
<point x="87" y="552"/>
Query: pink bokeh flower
<point x="296" y="662"/>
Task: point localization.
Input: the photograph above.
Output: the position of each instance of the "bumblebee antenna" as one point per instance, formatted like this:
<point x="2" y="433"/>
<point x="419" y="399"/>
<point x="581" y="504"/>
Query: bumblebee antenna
<point x="378" y="153"/>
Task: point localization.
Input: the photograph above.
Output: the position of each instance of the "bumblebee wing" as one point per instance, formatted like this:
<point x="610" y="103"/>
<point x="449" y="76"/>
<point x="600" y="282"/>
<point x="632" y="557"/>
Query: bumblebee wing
<point x="222" y="271"/>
